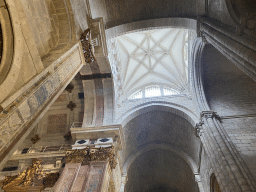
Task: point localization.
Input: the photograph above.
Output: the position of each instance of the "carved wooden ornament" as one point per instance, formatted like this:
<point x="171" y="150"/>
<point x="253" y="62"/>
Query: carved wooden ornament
<point x="92" y="154"/>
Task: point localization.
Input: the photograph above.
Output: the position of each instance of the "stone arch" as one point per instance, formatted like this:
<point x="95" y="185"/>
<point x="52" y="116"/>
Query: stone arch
<point x="214" y="185"/>
<point x="162" y="134"/>
<point x="151" y="24"/>
<point x="14" y="57"/>
<point x="153" y="152"/>
<point x="158" y="105"/>
<point x="152" y="146"/>
<point x="6" y="49"/>
<point x="239" y="10"/>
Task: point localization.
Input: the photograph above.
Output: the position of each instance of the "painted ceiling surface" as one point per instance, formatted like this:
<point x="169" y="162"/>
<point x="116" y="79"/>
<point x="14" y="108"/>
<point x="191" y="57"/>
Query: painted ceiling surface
<point x="153" y="57"/>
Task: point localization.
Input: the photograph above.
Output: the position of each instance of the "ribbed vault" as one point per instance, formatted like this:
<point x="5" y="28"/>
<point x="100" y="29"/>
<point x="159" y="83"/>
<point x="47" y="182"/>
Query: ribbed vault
<point x="153" y="57"/>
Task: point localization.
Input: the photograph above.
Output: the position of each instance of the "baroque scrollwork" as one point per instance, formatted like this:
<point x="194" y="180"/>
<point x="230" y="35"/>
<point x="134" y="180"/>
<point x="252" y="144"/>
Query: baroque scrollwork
<point x="89" y="154"/>
<point x="32" y="177"/>
<point x="87" y="47"/>
<point x="198" y="128"/>
<point x="208" y="114"/>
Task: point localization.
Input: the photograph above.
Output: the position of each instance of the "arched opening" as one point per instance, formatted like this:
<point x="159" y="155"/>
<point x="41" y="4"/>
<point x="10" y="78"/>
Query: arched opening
<point x="214" y="184"/>
<point x="160" y="170"/>
<point x="161" y="152"/>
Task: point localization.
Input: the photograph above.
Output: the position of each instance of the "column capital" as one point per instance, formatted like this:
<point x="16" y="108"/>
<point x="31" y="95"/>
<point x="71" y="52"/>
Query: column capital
<point x="89" y="154"/>
<point x="198" y="128"/>
<point x="208" y="114"/>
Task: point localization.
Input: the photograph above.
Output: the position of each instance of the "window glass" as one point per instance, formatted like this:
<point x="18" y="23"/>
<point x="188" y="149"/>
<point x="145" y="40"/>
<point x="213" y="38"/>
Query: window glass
<point x="136" y="95"/>
<point x="168" y="91"/>
<point x="152" y="91"/>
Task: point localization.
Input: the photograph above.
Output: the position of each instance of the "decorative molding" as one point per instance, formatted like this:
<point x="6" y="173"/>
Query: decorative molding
<point x="88" y="154"/>
<point x="31" y="178"/>
<point x="71" y="105"/>
<point x="98" y="37"/>
<point x="35" y="139"/>
<point x="95" y="76"/>
<point x="87" y="47"/>
<point x="69" y="88"/>
<point x="237" y="116"/>
<point x="198" y="128"/>
<point x="208" y="114"/>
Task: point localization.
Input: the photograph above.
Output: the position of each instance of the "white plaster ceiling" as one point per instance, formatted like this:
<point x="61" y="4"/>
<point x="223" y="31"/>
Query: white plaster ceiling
<point x="153" y="57"/>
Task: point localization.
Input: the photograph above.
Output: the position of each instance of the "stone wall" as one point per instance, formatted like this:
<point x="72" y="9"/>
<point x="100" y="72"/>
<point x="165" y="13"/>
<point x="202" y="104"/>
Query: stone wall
<point x="242" y="133"/>
<point x="218" y="10"/>
<point x="231" y="93"/>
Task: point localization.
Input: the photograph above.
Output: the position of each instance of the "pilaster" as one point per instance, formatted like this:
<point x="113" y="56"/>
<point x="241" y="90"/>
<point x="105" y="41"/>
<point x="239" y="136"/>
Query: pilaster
<point x="93" y="159"/>
<point x="228" y="171"/>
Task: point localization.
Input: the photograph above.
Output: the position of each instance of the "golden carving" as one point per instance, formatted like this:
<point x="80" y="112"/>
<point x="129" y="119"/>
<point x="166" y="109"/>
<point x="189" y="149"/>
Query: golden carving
<point x="32" y="177"/>
<point x="92" y="154"/>
<point x="87" y="47"/>
<point x="76" y="156"/>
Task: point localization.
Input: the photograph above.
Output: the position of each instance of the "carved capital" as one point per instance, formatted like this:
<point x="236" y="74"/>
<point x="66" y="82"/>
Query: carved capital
<point x="198" y="128"/>
<point x="89" y="154"/>
<point x="208" y="114"/>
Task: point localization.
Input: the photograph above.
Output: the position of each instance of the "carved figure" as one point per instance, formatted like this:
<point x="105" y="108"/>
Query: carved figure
<point x="32" y="176"/>
<point x="92" y="154"/>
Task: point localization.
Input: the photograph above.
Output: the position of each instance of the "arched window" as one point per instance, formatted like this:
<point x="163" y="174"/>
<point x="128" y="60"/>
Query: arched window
<point x="169" y="91"/>
<point x="214" y="184"/>
<point x="152" y="91"/>
<point x="136" y="95"/>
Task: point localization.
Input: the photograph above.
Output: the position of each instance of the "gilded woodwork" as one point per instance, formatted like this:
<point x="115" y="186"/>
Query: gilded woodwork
<point x="87" y="47"/>
<point x="31" y="179"/>
<point x="88" y="154"/>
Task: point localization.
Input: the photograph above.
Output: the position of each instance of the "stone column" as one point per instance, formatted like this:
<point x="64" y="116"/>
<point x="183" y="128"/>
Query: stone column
<point x="87" y="169"/>
<point x="229" y="174"/>
<point x="123" y="182"/>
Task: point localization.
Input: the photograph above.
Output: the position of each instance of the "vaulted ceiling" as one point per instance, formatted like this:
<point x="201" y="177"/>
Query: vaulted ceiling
<point x="153" y="57"/>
